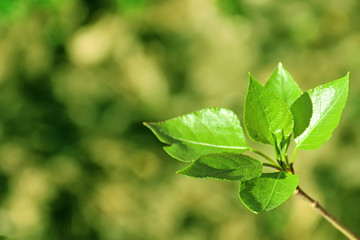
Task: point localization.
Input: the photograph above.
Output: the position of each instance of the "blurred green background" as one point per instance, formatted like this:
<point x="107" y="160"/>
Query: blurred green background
<point x="78" y="78"/>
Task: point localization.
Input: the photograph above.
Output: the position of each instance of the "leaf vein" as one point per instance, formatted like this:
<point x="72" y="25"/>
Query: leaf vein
<point x="272" y="191"/>
<point x="209" y="144"/>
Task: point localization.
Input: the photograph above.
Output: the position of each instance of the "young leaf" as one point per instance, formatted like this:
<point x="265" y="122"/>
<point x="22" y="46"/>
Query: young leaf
<point x="302" y="112"/>
<point x="224" y="166"/>
<point x="268" y="191"/>
<point x="266" y="114"/>
<point x="328" y="102"/>
<point x="283" y="85"/>
<point x="211" y="130"/>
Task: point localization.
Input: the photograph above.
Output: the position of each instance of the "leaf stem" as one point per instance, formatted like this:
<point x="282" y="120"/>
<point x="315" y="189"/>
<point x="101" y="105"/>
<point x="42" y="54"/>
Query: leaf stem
<point x="263" y="155"/>
<point x="325" y="214"/>
<point x="287" y="160"/>
<point x="271" y="165"/>
<point x="294" y="155"/>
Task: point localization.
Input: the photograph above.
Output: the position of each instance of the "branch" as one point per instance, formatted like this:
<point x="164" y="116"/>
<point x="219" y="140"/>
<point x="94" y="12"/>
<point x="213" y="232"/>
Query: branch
<point x="329" y="217"/>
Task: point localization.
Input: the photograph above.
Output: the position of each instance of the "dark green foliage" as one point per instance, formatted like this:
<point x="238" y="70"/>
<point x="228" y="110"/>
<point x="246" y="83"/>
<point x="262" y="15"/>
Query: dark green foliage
<point x="223" y="166"/>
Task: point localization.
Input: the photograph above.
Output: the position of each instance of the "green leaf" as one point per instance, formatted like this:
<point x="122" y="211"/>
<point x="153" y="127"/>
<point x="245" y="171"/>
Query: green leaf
<point x="211" y="130"/>
<point x="266" y="115"/>
<point x="224" y="166"/>
<point x="283" y="85"/>
<point x="268" y="191"/>
<point x="328" y="102"/>
<point x="302" y="112"/>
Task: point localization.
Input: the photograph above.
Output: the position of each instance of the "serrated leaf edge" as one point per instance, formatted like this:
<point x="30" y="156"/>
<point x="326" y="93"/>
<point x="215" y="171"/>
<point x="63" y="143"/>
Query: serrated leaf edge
<point x="278" y="98"/>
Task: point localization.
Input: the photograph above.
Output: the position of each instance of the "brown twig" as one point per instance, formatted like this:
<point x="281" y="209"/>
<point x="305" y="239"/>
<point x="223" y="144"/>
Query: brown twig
<point x="329" y="217"/>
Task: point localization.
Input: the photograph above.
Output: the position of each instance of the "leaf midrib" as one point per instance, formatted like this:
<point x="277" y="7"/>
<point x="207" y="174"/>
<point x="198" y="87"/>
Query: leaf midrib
<point x="221" y="171"/>
<point x="282" y="82"/>
<point x="272" y="192"/>
<point x="262" y="105"/>
<point x="241" y="166"/>
<point x="208" y="144"/>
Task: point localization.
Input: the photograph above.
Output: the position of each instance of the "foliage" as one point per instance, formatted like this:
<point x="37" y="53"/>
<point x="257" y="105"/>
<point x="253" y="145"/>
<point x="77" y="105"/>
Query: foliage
<point x="77" y="78"/>
<point x="200" y="133"/>
<point x="213" y="140"/>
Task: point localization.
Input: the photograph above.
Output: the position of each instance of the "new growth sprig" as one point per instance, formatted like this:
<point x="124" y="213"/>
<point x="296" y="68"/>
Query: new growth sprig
<point x="212" y="140"/>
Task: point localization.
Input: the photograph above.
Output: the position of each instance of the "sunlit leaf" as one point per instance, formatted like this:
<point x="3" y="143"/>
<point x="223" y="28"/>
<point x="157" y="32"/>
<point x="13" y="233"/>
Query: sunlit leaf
<point x="328" y="102"/>
<point x="211" y="130"/>
<point x="283" y="85"/>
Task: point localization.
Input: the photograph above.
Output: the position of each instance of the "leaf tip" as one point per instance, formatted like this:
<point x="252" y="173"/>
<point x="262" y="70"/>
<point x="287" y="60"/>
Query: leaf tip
<point x="251" y="78"/>
<point x="182" y="172"/>
<point x="346" y="78"/>
<point x="149" y="125"/>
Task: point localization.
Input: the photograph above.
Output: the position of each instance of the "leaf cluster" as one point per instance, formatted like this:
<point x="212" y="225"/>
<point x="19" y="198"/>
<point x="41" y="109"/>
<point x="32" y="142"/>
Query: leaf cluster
<point x="213" y="141"/>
